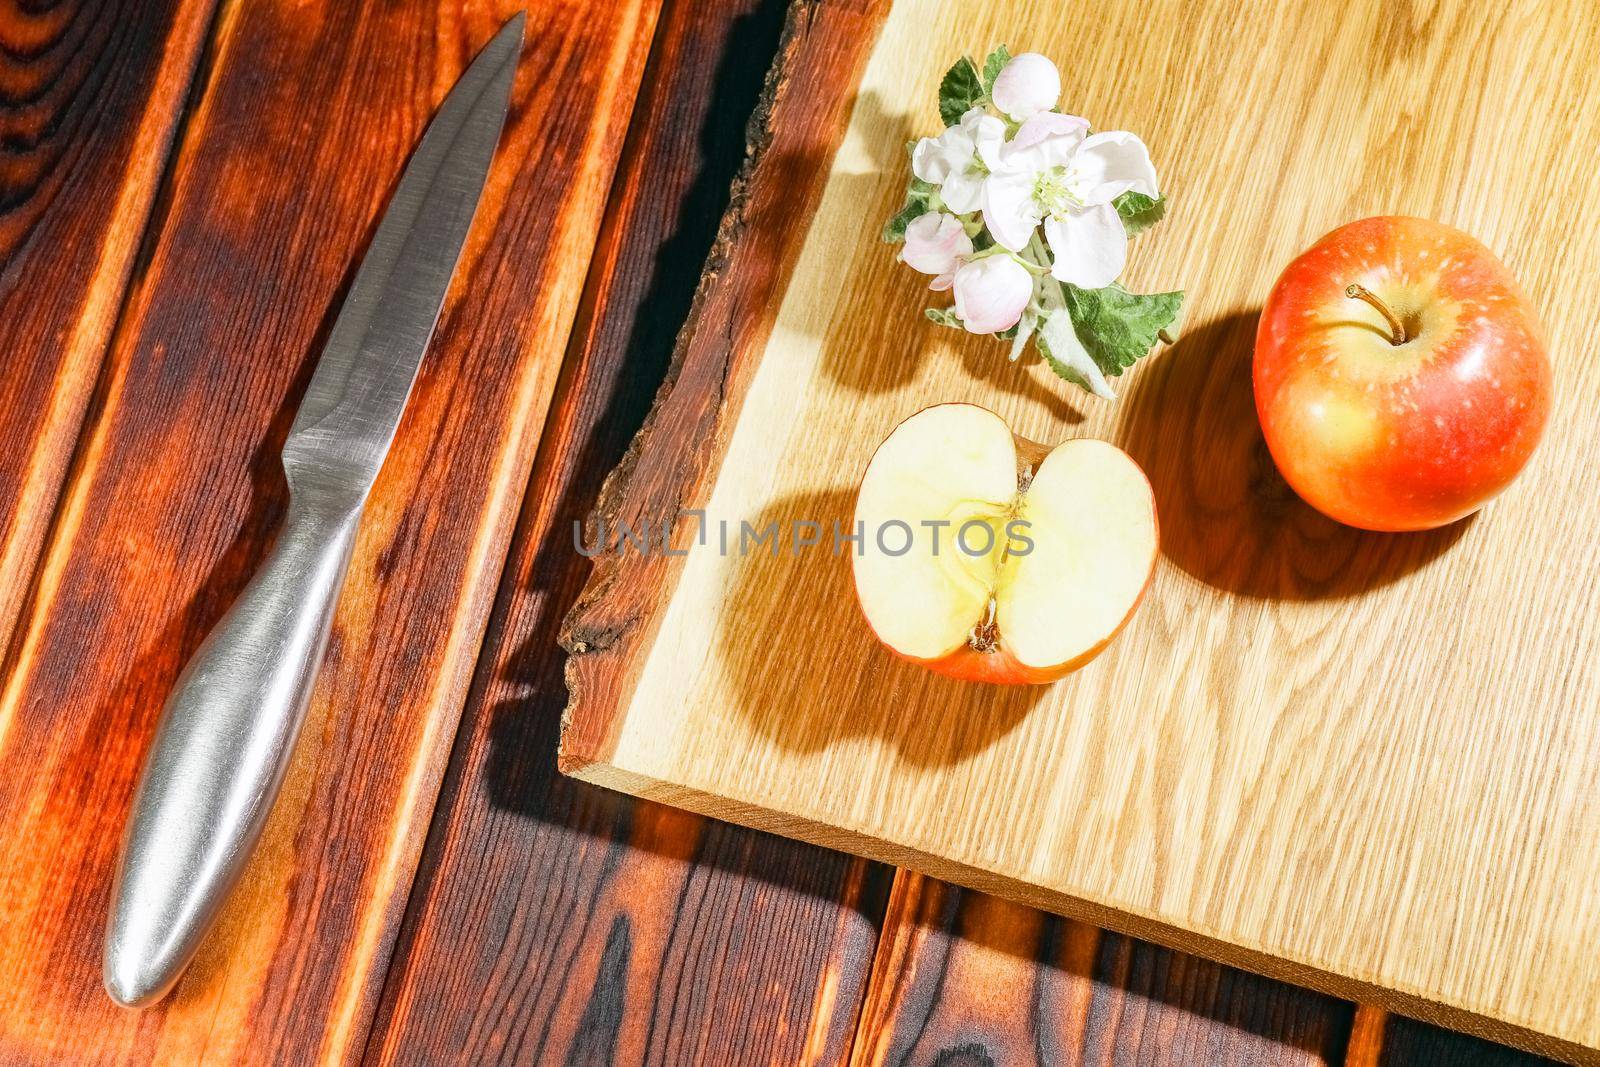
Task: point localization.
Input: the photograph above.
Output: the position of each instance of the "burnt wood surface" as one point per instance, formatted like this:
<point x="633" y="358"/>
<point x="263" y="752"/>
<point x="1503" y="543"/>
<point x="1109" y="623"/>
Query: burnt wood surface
<point x="549" y="921"/>
<point x="303" y="120"/>
<point x="595" y="928"/>
<point x="965" y="978"/>
<point x="91" y="95"/>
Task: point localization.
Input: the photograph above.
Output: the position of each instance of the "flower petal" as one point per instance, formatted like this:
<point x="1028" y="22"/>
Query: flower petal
<point x="1027" y="85"/>
<point x="935" y="243"/>
<point x="1050" y="124"/>
<point x="1047" y="140"/>
<point x="934" y="159"/>
<point x="1106" y="165"/>
<point x="988" y="135"/>
<point x="1009" y="210"/>
<point x="928" y="161"/>
<point x="991" y="293"/>
<point x="1090" y="246"/>
<point x="962" y="191"/>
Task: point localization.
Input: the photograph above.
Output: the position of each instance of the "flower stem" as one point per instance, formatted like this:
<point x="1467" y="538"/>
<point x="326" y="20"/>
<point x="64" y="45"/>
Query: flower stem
<point x="1036" y="251"/>
<point x="1397" y="329"/>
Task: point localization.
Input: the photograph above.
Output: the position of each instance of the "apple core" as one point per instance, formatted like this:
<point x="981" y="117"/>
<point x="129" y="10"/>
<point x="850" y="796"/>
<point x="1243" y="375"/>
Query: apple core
<point x="1024" y="561"/>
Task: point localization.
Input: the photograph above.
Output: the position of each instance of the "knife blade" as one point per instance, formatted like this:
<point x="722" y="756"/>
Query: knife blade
<point x="229" y="727"/>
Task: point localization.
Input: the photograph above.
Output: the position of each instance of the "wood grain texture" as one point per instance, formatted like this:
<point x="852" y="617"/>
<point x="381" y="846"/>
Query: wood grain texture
<point x="1351" y="760"/>
<point x="804" y="110"/>
<point x="1408" y="1043"/>
<point x="305" y="121"/>
<point x="90" y="95"/>
<point x="1366" y="1036"/>
<point x="1379" y="1039"/>
<point x="553" y="922"/>
<point x="972" y="980"/>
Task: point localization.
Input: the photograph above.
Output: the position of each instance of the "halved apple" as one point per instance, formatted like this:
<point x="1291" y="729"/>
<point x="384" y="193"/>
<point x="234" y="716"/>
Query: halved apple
<point x="988" y="557"/>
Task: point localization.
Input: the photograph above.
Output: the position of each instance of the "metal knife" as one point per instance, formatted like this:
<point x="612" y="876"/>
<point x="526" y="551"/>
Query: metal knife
<point x="229" y="727"/>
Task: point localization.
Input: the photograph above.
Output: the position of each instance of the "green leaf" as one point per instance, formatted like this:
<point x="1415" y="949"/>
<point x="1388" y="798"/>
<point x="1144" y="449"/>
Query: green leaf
<point x="960" y="91"/>
<point x="920" y="198"/>
<point x="993" y="66"/>
<point x="1019" y="334"/>
<point x="1065" y="354"/>
<point x="1140" y="212"/>
<point x="1117" y="327"/>
<point x="895" y="229"/>
<point x="943" y="316"/>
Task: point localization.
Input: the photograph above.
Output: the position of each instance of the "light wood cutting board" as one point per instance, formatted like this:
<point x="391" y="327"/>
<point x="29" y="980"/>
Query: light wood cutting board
<point x="1364" y="762"/>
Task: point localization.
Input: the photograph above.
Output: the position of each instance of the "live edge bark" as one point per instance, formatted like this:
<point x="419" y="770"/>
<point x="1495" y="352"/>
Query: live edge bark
<point x="790" y="142"/>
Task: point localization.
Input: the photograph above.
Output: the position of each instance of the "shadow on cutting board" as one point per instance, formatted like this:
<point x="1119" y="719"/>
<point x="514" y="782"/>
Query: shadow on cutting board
<point x="1227" y="516"/>
<point x="883" y="311"/>
<point x="802" y="606"/>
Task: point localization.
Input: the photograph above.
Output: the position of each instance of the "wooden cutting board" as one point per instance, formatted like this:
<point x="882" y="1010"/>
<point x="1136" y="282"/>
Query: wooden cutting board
<point x="1363" y="762"/>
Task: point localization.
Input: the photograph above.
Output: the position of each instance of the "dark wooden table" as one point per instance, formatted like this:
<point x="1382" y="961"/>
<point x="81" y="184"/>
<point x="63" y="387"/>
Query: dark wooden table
<point x="150" y="154"/>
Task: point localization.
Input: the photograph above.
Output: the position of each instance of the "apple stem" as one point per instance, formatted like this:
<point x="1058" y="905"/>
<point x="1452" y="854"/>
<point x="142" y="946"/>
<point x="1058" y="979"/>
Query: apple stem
<point x="1397" y="329"/>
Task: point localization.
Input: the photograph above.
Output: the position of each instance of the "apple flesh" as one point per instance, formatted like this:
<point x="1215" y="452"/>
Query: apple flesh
<point x="1019" y="563"/>
<point x="1400" y="375"/>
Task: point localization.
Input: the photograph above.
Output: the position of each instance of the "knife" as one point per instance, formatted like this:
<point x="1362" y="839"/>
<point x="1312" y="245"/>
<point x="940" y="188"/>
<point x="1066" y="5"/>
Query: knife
<point x="228" y="729"/>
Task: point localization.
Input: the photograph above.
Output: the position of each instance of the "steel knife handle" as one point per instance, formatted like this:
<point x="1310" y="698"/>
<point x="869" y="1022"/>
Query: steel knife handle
<point x="219" y="755"/>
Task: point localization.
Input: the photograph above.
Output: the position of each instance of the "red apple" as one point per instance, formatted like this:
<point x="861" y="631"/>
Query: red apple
<point x="989" y="558"/>
<point x="1400" y="375"/>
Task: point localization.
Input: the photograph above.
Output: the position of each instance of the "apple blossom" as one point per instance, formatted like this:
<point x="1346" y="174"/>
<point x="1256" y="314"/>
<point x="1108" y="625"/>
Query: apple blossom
<point x="1010" y="210"/>
<point x="1027" y="218"/>
<point x="957" y="160"/>
<point x="991" y="293"/>
<point x="1027" y="85"/>
<point x="1052" y="172"/>
<point x="936" y="243"/>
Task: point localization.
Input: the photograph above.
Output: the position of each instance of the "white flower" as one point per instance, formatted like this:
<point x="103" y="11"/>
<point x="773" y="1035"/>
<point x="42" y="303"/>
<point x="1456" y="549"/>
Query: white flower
<point x="1026" y="86"/>
<point x="1052" y="172"/>
<point x="959" y="158"/>
<point x="936" y="243"/>
<point x="991" y="293"/>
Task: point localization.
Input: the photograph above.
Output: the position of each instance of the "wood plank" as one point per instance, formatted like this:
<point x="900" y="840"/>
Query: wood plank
<point x="1366" y="1036"/>
<point x="1378" y="1039"/>
<point x="301" y="132"/>
<point x="1345" y="759"/>
<point x="963" y="978"/>
<point x="89" y="101"/>
<point x="552" y="921"/>
<point x="1409" y="1043"/>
